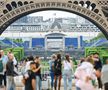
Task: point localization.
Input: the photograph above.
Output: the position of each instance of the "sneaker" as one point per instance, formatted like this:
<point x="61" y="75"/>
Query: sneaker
<point x="100" y="88"/>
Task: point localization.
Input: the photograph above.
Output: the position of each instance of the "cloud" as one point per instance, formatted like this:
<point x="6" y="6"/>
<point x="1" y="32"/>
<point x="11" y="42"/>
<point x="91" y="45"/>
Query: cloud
<point x="53" y="14"/>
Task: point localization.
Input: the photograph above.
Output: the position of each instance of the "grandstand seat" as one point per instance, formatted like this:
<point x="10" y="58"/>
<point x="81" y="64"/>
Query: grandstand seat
<point x="9" y="42"/>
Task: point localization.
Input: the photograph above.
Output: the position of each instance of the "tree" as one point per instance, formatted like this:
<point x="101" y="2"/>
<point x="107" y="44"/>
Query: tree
<point x="99" y="36"/>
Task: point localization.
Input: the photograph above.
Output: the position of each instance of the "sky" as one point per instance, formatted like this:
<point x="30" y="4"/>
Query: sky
<point x="53" y="14"/>
<point x="50" y="14"/>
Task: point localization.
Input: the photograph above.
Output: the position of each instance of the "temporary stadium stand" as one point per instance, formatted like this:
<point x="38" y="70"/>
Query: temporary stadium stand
<point x="100" y="41"/>
<point x="38" y="42"/>
<point x="9" y="42"/>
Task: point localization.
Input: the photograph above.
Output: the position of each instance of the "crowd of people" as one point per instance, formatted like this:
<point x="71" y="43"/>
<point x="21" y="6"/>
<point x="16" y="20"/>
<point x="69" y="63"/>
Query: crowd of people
<point x="88" y="71"/>
<point x="56" y="72"/>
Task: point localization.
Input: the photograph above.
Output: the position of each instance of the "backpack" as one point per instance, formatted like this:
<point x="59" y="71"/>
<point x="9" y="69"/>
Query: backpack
<point x="57" y="67"/>
<point x="1" y="66"/>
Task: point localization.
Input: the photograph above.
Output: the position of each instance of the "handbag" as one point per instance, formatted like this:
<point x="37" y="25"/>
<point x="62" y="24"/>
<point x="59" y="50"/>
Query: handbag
<point x="18" y="81"/>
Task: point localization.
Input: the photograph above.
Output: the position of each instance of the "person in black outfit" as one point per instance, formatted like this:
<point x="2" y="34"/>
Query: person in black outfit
<point x="29" y="78"/>
<point x="98" y="66"/>
<point x="38" y="73"/>
<point x="57" y="71"/>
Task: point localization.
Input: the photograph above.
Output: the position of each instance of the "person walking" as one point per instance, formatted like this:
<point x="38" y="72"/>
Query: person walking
<point x="4" y="61"/>
<point x="29" y="78"/>
<point x="51" y="64"/>
<point x="1" y="71"/>
<point x="38" y="73"/>
<point x="67" y="72"/>
<point x="104" y="76"/>
<point x="10" y="73"/>
<point x="57" y="72"/>
<point x="98" y="67"/>
<point x="84" y="75"/>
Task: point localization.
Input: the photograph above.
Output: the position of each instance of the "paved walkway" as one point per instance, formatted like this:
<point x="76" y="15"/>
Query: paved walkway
<point x="46" y="84"/>
<point x="22" y="89"/>
<point x="19" y="88"/>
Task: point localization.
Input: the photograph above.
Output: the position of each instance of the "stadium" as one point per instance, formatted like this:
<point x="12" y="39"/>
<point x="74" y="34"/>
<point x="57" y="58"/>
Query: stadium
<point x="45" y="27"/>
<point x="43" y="37"/>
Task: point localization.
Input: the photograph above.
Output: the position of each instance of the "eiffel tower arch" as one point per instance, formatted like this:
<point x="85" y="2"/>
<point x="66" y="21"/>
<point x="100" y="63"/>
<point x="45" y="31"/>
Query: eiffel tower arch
<point x="93" y="10"/>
